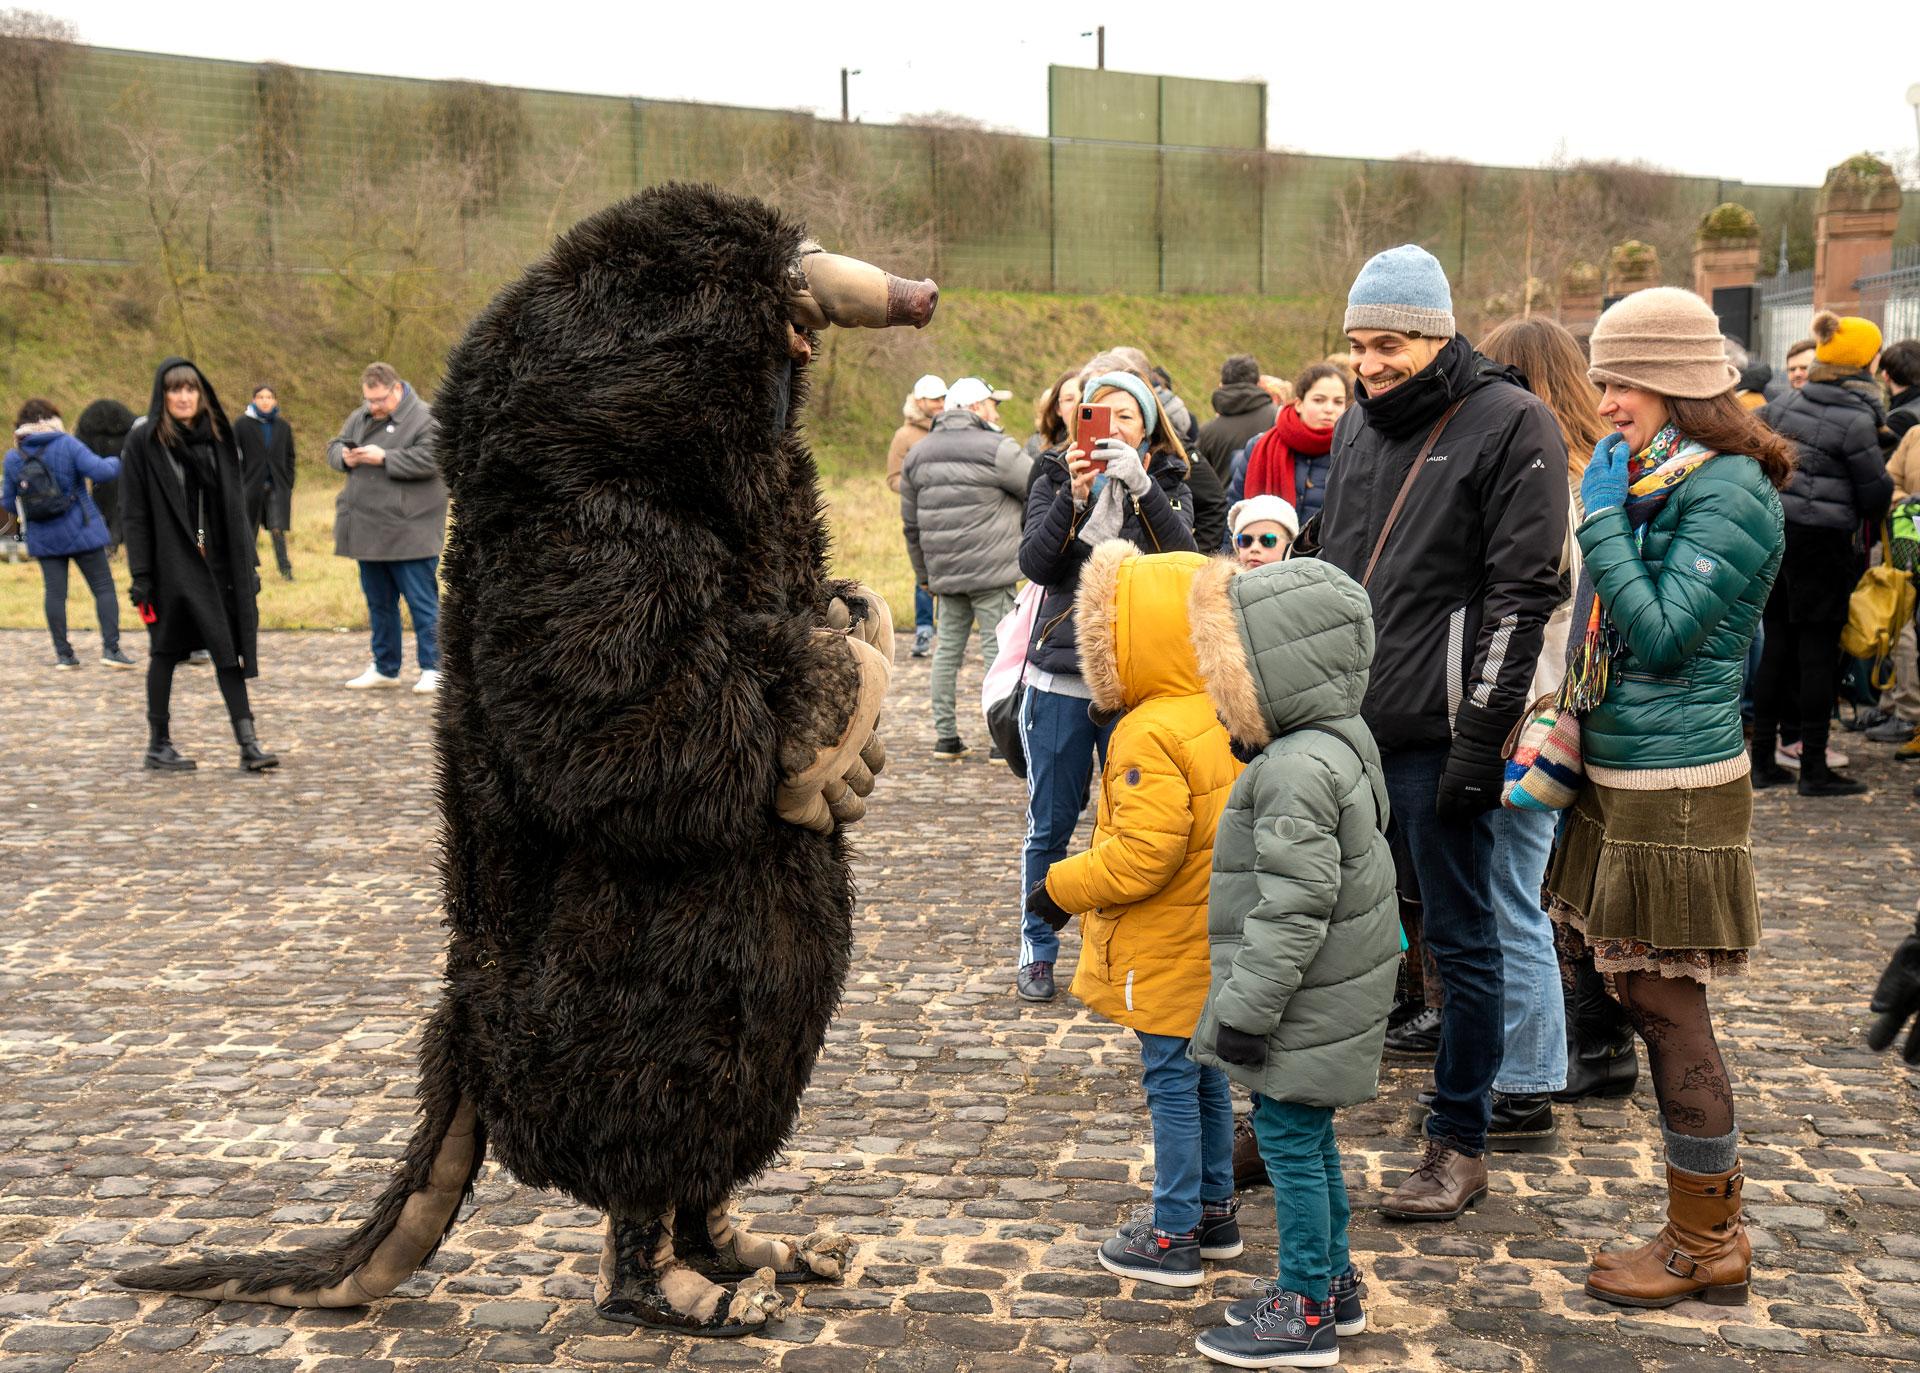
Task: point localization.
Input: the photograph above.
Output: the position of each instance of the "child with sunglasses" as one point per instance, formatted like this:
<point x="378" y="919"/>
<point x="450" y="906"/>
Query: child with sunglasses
<point x="1264" y="528"/>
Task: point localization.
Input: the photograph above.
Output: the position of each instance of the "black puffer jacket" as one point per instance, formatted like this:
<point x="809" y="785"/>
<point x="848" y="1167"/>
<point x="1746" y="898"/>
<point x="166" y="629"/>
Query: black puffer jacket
<point x="1052" y="556"/>
<point x="1240" y="411"/>
<point x="1471" y="571"/>
<point x="1841" y="480"/>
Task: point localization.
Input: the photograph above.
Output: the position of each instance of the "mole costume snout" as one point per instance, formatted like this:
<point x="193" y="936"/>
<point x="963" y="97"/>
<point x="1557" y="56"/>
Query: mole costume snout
<point x="657" y="714"/>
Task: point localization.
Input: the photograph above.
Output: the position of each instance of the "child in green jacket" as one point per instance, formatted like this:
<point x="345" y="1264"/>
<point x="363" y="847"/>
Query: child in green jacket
<point x="1303" y="924"/>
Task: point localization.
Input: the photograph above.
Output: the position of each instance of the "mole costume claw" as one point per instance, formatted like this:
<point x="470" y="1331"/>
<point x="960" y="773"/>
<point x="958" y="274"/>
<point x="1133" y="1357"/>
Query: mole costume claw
<point x="658" y="714"/>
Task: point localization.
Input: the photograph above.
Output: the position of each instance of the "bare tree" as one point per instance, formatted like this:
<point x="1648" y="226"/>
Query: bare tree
<point x="36" y="128"/>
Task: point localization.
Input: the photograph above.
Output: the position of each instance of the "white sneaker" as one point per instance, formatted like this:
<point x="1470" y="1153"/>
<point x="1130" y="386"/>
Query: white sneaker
<point x="429" y="682"/>
<point x="373" y="677"/>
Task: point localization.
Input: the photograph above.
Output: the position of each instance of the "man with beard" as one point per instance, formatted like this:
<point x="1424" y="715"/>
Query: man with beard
<point x="1448" y="502"/>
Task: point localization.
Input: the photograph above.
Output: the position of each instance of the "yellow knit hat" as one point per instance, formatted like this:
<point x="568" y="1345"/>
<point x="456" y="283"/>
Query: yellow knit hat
<point x="1849" y="342"/>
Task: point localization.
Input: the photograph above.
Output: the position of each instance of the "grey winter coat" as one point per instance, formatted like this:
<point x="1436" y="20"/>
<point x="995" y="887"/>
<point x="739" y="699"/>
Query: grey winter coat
<point x="396" y="511"/>
<point x="1302" y="920"/>
<point x="1841" y="478"/>
<point x="961" y="489"/>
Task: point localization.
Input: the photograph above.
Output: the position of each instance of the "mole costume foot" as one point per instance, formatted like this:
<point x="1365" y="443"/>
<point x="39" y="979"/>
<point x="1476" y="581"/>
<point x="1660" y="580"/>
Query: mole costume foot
<point x="658" y="715"/>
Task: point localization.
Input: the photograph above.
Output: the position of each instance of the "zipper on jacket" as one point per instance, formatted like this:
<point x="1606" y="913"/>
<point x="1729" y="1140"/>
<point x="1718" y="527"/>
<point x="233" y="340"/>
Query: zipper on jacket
<point x="1656" y="678"/>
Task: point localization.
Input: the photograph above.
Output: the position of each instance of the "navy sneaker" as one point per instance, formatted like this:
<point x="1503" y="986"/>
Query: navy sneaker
<point x="1345" y="1291"/>
<point x="1035" y="982"/>
<point x="1219" y="1229"/>
<point x="922" y="640"/>
<point x="1287" y="1331"/>
<point x="1155" y="1256"/>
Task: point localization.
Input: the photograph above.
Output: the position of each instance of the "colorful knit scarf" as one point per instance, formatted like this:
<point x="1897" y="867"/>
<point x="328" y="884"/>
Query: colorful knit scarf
<point x="1652" y="477"/>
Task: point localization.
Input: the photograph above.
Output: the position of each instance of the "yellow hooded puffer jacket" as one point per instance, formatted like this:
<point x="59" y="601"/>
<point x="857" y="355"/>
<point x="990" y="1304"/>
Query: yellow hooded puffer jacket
<point x="1141" y="890"/>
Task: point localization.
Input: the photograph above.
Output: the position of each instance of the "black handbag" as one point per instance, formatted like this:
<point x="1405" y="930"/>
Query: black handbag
<point x="1003" y="727"/>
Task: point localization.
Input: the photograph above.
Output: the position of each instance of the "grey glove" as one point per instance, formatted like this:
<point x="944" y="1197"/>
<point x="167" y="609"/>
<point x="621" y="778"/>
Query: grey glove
<point x="1123" y="466"/>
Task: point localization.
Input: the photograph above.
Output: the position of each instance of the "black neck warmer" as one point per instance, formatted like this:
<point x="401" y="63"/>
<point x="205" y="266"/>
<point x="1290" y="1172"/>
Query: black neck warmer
<point x="1418" y="402"/>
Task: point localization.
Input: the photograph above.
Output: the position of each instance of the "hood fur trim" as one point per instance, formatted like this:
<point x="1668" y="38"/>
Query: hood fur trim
<point x="1096" y="609"/>
<point x="1215" y="630"/>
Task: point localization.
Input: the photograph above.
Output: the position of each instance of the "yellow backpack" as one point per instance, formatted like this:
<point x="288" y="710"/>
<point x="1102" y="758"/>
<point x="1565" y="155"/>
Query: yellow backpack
<point x="1879" y="609"/>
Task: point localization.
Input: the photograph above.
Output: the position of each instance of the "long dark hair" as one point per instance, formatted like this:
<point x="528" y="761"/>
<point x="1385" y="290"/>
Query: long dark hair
<point x="178" y="378"/>
<point x="1724" y="425"/>
<point x="1316" y="372"/>
<point x="1046" y="415"/>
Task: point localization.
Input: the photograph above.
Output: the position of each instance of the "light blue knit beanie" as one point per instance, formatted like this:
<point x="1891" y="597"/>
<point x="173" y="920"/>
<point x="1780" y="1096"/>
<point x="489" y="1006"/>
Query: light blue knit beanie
<point x="1403" y="289"/>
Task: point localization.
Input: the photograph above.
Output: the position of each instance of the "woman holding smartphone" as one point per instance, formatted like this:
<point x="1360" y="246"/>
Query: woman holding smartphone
<point x="190" y="555"/>
<point x="1130" y="484"/>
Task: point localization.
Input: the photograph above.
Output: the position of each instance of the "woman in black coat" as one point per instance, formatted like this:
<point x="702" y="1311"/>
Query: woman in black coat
<point x="190" y="554"/>
<point x="266" y="468"/>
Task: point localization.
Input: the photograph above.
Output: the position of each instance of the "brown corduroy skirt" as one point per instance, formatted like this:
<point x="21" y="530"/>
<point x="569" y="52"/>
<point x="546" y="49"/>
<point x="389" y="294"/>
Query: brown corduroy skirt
<point x="1659" y="881"/>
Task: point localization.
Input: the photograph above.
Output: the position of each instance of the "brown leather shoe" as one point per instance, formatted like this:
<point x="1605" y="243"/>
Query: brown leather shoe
<point x="1249" y="1168"/>
<point x="1702" y="1253"/>
<point x="1446" y="1183"/>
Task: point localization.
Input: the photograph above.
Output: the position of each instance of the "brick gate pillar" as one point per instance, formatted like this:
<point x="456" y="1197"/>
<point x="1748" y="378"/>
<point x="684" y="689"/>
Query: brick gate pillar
<point x="1726" y="250"/>
<point x="1854" y="220"/>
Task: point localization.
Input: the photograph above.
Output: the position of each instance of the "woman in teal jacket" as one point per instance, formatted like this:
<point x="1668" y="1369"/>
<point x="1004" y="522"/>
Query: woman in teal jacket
<point x="1653" y="876"/>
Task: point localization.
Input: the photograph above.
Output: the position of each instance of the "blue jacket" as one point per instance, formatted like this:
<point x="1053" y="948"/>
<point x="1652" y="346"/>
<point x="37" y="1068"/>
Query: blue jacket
<point x="82" y="529"/>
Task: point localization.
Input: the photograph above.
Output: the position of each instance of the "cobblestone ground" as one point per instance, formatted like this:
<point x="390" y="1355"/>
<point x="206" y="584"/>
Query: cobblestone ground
<point x="210" y="989"/>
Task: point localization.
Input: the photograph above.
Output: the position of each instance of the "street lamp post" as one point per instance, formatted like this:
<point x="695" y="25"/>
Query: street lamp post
<point x="845" y="72"/>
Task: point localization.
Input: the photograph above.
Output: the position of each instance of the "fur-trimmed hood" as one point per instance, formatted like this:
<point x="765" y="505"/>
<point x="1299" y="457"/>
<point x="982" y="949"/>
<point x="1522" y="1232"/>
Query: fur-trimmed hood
<point x="1130" y="618"/>
<point x="1282" y="646"/>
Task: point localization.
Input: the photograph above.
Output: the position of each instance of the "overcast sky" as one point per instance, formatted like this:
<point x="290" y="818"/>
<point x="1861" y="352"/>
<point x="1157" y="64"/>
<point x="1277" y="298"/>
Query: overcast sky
<point x="1759" y="92"/>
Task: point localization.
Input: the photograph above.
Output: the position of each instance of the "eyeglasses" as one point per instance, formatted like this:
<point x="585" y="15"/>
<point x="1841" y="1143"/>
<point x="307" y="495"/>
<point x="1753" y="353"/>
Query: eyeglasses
<point x="1264" y="540"/>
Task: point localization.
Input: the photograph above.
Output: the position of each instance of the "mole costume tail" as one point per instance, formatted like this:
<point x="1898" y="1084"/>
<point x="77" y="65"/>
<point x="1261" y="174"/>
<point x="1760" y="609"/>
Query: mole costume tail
<point x="409" y="1220"/>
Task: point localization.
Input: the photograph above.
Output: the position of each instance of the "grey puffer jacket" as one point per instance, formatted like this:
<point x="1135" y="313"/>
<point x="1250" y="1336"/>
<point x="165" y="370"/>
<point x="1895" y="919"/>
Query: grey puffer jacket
<point x="961" y="489"/>
<point x="1304" y="927"/>
<point x="1833" y="421"/>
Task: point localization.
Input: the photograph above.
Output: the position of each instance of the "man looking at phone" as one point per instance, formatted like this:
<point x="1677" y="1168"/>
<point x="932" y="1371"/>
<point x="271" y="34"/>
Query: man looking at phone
<point x="391" y="518"/>
<point x="961" y="489"/>
<point x="1447" y="500"/>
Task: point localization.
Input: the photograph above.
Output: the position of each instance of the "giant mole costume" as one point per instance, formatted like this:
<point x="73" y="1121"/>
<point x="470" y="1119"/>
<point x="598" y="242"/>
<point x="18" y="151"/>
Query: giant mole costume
<point x="656" y="714"/>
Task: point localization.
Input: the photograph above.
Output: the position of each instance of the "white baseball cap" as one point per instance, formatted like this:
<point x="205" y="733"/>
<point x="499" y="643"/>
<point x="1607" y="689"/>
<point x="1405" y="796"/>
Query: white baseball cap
<point x="971" y="391"/>
<point x="929" y="387"/>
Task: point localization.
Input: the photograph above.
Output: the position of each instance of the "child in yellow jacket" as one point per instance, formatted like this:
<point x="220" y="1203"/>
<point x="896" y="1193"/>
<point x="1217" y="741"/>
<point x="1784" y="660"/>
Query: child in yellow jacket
<point x="1142" y="892"/>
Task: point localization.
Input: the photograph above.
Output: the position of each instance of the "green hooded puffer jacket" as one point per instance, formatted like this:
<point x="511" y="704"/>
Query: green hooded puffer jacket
<point x="1302" y="920"/>
<point x="1686" y="602"/>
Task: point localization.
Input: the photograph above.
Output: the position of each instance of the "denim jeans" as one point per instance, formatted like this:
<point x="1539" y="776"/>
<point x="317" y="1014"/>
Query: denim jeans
<point x="958" y="610"/>
<point x="383" y="585"/>
<point x="1060" y="740"/>
<point x="922" y="608"/>
<point x="1192" y="1110"/>
<point x="1309" y="1192"/>
<point x="1535" y="1059"/>
<point x="106" y="606"/>
<point x="1453" y="863"/>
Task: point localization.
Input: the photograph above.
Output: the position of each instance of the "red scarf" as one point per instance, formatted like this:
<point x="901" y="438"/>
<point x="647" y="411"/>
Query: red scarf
<point x="1270" y="465"/>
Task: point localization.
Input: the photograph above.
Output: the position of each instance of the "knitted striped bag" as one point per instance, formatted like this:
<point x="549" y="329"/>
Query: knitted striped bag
<point x="1543" y="764"/>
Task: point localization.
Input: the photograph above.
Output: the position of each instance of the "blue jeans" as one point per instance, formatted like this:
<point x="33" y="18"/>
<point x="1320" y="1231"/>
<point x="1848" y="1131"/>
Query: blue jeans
<point x="106" y="606"/>
<point x="1535" y="1059"/>
<point x="383" y="585"/>
<point x="922" y="608"/>
<point x="1060" y="741"/>
<point x="1192" y="1110"/>
<point x="1309" y="1192"/>
<point x="1453" y="864"/>
<point x="1750" y="670"/>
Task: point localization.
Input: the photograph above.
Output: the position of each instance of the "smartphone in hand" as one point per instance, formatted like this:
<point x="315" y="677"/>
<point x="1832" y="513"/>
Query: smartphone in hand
<point x="1093" y="423"/>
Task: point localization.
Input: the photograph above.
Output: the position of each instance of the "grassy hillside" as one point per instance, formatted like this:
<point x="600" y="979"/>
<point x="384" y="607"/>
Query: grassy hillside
<point x="73" y="333"/>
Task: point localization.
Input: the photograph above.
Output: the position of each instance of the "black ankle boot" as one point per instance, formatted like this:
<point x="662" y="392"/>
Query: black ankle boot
<point x="1601" y="1059"/>
<point x="637" y="1256"/>
<point x="1817" y="779"/>
<point x="1766" y="771"/>
<point x="253" y="758"/>
<point x="1521" y="1124"/>
<point x="161" y="756"/>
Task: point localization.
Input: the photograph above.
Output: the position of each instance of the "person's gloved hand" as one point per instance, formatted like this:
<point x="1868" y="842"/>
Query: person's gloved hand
<point x="1240" y="1048"/>
<point x="140" y="594"/>
<point x="1897" y="999"/>
<point x="1041" y="903"/>
<point x="1471" y="782"/>
<point x="1123" y="466"/>
<point x="1605" y="482"/>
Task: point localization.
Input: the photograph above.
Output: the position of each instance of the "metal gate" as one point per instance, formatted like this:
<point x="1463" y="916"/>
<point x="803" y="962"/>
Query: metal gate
<point x="1890" y="293"/>
<point x="1786" y="313"/>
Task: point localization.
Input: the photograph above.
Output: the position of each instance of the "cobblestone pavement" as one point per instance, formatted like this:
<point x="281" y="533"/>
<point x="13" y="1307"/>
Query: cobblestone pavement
<point x="211" y="985"/>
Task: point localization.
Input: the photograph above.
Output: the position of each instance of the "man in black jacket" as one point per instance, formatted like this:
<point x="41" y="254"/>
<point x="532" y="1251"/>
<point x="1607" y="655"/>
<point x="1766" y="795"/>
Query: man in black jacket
<point x="1448" y="501"/>
<point x="1241" y="411"/>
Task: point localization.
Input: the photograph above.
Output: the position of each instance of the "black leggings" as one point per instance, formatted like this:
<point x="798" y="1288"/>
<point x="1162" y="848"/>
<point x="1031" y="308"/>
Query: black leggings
<point x="1798" y="679"/>
<point x="160" y="666"/>
<point x="93" y="566"/>
<point x="1689" y="1077"/>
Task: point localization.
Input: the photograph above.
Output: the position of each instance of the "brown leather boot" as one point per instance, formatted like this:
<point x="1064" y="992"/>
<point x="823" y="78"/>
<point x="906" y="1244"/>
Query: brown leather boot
<point x="1701" y="1253"/>
<point x="1249" y="1168"/>
<point x="1446" y="1183"/>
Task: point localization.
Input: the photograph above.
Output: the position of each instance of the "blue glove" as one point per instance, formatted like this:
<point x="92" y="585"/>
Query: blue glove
<point x="1605" y="482"/>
